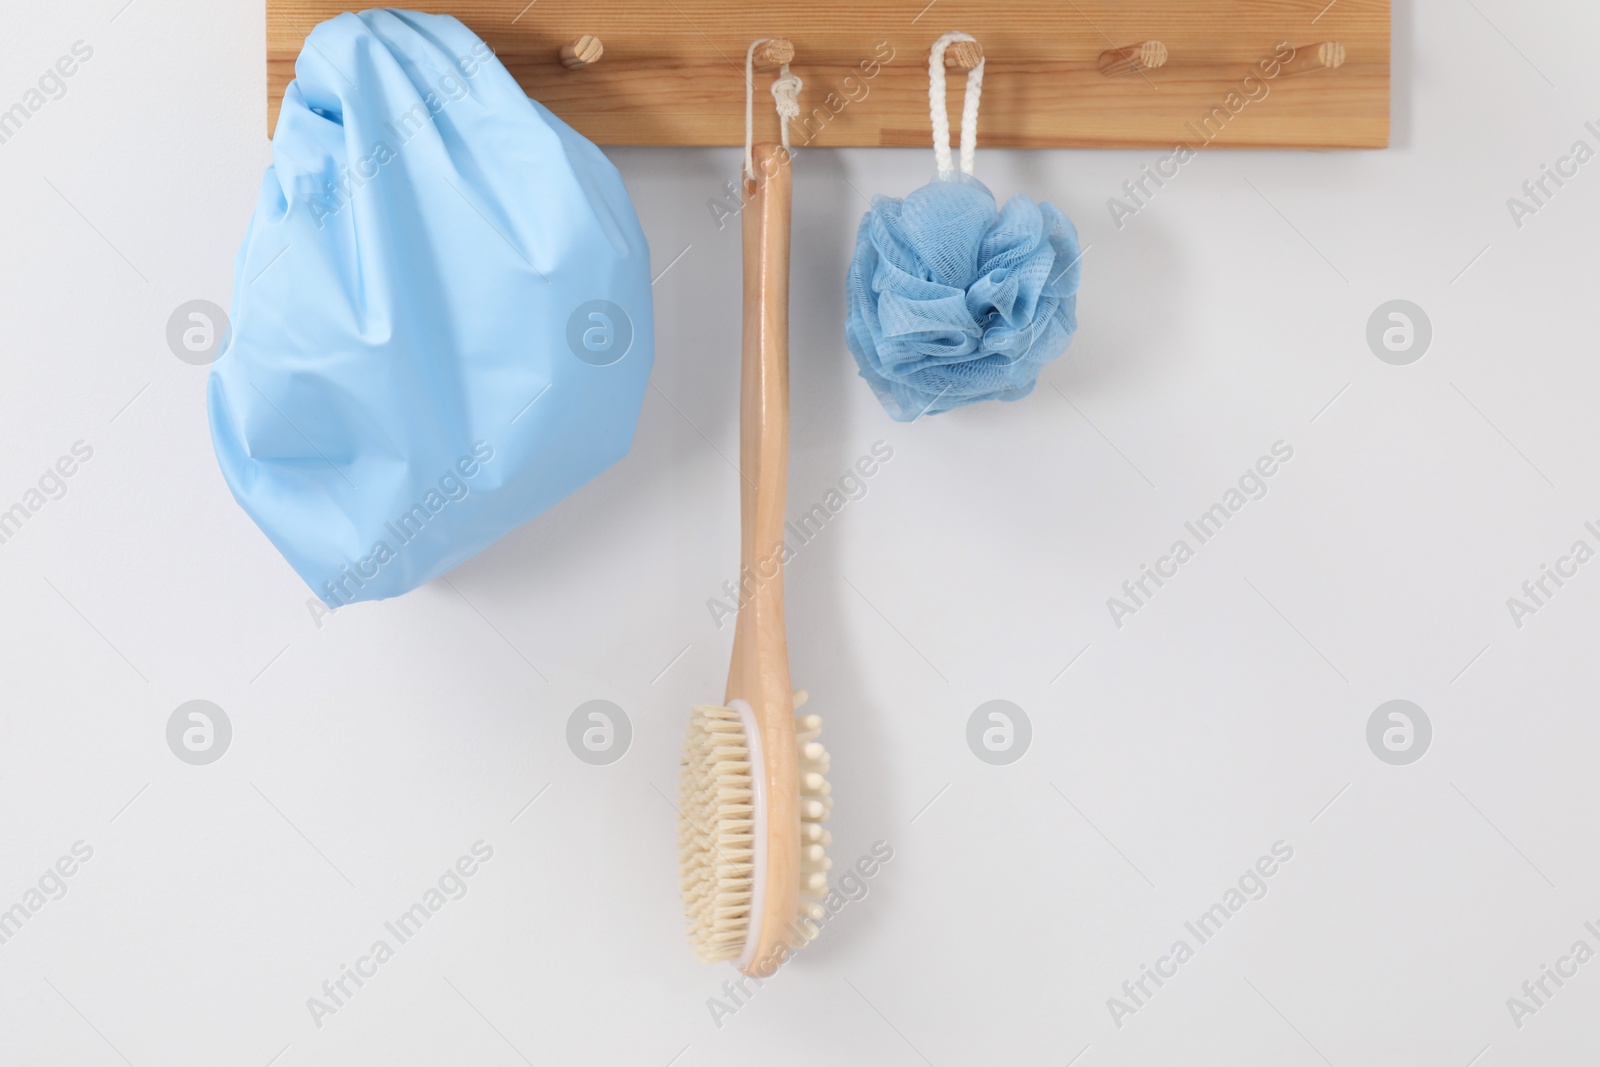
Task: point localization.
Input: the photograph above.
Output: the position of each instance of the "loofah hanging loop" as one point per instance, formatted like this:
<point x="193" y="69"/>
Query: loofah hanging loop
<point x="939" y="115"/>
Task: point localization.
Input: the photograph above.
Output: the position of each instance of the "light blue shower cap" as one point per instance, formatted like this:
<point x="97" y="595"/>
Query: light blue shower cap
<point x="952" y="301"/>
<point x="441" y="318"/>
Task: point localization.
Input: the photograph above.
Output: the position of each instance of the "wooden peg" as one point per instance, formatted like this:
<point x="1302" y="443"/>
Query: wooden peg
<point x="1146" y="55"/>
<point x="1310" y="58"/>
<point x="774" y="53"/>
<point x="581" y="53"/>
<point x="963" y="55"/>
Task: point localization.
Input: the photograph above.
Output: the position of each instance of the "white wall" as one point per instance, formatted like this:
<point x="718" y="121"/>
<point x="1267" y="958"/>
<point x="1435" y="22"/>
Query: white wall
<point x="1228" y="714"/>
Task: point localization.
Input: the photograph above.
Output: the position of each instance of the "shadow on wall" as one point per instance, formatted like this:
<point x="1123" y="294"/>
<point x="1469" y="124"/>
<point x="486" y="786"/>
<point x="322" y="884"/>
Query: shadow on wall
<point x="823" y="445"/>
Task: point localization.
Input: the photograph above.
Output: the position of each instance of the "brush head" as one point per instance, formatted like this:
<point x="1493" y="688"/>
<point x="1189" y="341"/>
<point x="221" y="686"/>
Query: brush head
<point x="723" y="834"/>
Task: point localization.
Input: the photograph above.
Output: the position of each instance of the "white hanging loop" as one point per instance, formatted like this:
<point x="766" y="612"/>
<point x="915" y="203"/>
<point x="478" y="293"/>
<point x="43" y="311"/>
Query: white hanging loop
<point x="785" y="95"/>
<point x="941" y="118"/>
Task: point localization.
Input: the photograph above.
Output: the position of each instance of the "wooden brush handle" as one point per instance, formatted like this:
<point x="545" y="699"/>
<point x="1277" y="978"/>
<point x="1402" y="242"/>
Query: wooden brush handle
<point x="759" y="674"/>
<point x="760" y="670"/>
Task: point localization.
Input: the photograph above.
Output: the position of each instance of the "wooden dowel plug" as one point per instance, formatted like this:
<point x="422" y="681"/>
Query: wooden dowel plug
<point x="774" y="53"/>
<point x="582" y="52"/>
<point x="963" y="55"/>
<point x="1311" y="58"/>
<point x="1146" y="55"/>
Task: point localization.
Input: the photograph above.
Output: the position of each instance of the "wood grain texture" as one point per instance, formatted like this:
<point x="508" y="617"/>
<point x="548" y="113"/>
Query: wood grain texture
<point x="759" y="673"/>
<point x="673" y="72"/>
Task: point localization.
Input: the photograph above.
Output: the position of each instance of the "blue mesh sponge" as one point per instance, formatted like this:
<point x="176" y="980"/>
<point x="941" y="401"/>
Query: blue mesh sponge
<point x="952" y="301"/>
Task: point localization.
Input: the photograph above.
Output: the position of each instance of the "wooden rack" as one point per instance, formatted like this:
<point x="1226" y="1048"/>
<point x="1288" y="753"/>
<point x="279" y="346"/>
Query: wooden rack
<point x="1058" y="73"/>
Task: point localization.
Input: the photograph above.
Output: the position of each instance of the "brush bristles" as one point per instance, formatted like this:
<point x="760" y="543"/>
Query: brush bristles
<point x="714" y="832"/>
<point x="715" y="829"/>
